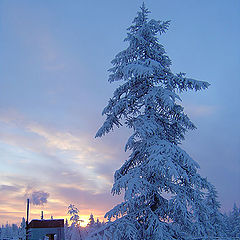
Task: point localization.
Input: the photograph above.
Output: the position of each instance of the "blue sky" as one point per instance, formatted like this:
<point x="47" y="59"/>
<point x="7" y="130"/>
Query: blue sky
<point x="53" y="87"/>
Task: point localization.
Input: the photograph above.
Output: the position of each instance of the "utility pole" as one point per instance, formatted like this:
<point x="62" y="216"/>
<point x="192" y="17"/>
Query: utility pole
<point x="27" y="229"/>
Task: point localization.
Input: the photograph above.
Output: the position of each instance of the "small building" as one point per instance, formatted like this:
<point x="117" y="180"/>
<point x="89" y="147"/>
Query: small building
<point x="46" y="229"/>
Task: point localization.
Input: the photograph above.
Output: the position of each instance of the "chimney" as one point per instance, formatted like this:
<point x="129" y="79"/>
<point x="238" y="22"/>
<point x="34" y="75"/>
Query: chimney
<point x="42" y="215"/>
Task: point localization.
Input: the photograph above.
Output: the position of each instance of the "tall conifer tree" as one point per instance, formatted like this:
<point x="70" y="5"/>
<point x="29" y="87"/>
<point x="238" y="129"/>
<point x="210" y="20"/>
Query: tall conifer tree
<point x="165" y="197"/>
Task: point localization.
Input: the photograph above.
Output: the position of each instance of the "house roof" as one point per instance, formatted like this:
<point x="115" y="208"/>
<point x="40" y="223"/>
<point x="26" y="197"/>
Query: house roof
<point x="56" y="223"/>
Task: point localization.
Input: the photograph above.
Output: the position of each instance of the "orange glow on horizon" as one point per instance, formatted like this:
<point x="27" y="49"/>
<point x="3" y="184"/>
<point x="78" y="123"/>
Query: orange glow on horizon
<point x="15" y="216"/>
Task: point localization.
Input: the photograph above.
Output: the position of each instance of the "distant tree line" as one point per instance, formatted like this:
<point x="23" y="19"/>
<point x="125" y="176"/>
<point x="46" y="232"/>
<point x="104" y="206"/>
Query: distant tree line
<point x="74" y="231"/>
<point x="13" y="231"/>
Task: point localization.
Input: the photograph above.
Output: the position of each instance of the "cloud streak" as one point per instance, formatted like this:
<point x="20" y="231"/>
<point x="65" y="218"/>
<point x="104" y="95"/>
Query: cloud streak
<point x="199" y="110"/>
<point x="79" y="151"/>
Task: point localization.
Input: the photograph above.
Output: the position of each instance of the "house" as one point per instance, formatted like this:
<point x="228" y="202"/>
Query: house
<point x="46" y="229"/>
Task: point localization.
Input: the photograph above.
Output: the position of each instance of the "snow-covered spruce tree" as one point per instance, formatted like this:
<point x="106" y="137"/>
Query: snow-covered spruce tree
<point x="215" y="217"/>
<point x="234" y="222"/>
<point x="165" y="197"/>
<point x="93" y="226"/>
<point x="91" y="222"/>
<point x="74" y="232"/>
<point x="22" y="230"/>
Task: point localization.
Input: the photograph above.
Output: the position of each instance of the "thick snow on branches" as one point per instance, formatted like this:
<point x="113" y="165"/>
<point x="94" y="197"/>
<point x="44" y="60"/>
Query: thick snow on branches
<point x="165" y="197"/>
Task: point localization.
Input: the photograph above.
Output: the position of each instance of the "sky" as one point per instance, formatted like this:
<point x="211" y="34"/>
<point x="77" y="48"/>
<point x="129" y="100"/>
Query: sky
<point x="54" y="85"/>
